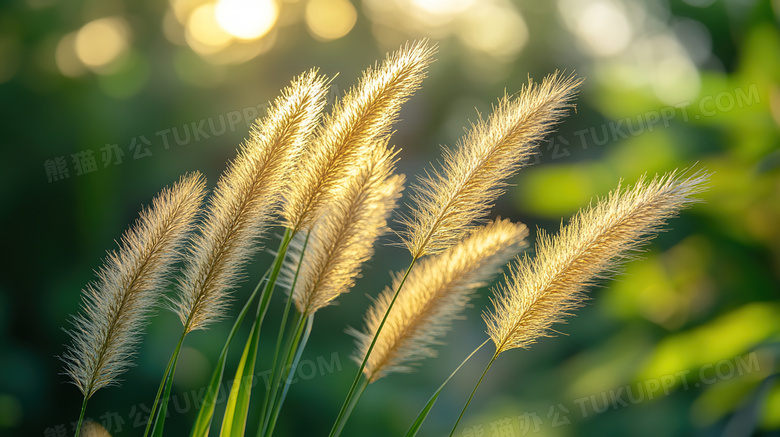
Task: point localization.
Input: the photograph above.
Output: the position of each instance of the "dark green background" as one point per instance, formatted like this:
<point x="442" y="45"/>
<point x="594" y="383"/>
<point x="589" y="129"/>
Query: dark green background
<point x="704" y="298"/>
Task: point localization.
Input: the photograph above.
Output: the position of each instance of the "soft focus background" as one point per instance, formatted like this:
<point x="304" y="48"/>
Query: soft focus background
<point x="104" y="102"/>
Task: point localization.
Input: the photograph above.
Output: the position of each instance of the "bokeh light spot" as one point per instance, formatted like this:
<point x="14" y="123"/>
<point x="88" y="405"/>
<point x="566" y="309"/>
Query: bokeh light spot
<point x="65" y="56"/>
<point x="101" y="42"/>
<point x="93" y="429"/>
<point x="204" y="34"/>
<point x="604" y="28"/>
<point x="676" y="80"/>
<point x="247" y="19"/>
<point x="183" y="8"/>
<point x="330" y="19"/>
<point x="173" y="29"/>
<point x="443" y="7"/>
<point x="695" y="37"/>
<point x="495" y="30"/>
<point x="434" y="13"/>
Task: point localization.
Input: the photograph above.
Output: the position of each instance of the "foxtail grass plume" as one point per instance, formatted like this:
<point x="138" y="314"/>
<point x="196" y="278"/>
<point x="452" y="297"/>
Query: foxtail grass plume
<point x="542" y="291"/>
<point x="447" y="202"/>
<point x="342" y="239"/>
<point x="244" y="200"/>
<point x="130" y="283"/>
<point x="361" y="120"/>
<point x="436" y="292"/>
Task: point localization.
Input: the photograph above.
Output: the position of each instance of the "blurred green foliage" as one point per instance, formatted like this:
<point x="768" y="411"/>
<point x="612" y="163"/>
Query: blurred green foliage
<point x="694" y="324"/>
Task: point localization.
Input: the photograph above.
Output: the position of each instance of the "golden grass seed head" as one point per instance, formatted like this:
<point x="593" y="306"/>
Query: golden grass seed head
<point x="446" y="203"/>
<point x="435" y="293"/>
<point x="343" y="237"/>
<point x="545" y="289"/>
<point x="116" y="307"/>
<point x="245" y="200"/>
<point x="360" y="121"/>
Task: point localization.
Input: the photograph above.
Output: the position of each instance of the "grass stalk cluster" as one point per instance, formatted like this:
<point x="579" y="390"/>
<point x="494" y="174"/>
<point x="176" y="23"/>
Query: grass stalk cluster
<point x="328" y="183"/>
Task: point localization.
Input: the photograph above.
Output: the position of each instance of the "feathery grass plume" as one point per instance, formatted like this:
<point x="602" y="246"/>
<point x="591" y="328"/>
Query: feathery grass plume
<point x="130" y="283"/>
<point x="447" y="202"/>
<point x="342" y="238"/>
<point x="245" y="198"/>
<point x="544" y="290"/>
<point x="362" y="119"/>
<point x="437" y="290"/>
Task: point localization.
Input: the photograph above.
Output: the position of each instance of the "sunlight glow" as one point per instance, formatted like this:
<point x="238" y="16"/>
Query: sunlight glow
<point x="204" y="34"/>
<point x="443" y="7"/>
<point x="438" y="12"/>
<point x="183" y="8"/>
<point x="247" y="19"/>
<point x="495" y="28"/>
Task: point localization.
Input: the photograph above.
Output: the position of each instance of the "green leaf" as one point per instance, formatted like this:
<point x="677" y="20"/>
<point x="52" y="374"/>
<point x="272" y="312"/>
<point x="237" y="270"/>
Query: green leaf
<point x="423" y="414"/>
<point x="203" y="422"/>
<point x="234" y="422"/>
<point x="159" y="423"/>
<point x="271" y="393"/>
<point x="170" y="370"/>
<point x="237" y="409"/>
<point x="291" y="363"/>
<point x="206" y="412"/>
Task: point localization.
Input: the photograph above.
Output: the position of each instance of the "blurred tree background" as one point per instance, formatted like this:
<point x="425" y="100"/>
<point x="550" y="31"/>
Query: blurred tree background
<point x="104" y="102"/>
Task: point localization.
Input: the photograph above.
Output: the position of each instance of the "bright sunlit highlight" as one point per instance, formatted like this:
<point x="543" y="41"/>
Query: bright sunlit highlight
<point x="247" y="19"/>
<point x="443" y="7"/>
<point x="330" y="19"/>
